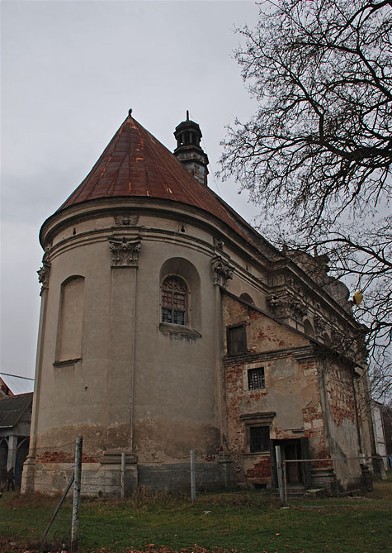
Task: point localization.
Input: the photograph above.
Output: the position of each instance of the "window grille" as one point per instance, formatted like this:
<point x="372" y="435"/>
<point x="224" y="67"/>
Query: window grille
<point x="256" y="379"/>
<point x="259" y="439"/>
<point x="174" y="301"/>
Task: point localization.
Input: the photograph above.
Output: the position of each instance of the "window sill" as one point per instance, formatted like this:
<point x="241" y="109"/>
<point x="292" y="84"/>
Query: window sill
<point x="179" y="332"/>
<point x="66" y="362"/>
<point x="238" y="354"/>
<point x="266" y="453"/>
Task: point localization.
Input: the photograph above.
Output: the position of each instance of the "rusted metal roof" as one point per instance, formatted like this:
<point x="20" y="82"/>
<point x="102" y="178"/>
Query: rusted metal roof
<point x="136" y="164"/>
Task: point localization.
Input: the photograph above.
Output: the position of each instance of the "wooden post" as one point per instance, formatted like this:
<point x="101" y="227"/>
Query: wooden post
<point x="76" y="494"/>
<point x="193" y="475"/>
<point x="279" y="470"/>
<point x="122" y="475"/>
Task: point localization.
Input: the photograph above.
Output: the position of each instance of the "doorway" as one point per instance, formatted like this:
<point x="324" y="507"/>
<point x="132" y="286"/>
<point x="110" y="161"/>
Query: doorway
<point x="295" y="452"/>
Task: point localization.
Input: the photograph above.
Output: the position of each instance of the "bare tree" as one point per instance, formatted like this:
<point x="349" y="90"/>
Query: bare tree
<point x="316" y="156"/>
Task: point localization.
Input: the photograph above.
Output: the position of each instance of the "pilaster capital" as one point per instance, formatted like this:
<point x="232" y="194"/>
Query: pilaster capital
<point x="222" y="271"/>
<point x="125" y="252"/>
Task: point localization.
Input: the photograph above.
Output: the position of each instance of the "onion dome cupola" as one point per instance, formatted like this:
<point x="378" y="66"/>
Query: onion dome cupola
<point x="189" y="151"/>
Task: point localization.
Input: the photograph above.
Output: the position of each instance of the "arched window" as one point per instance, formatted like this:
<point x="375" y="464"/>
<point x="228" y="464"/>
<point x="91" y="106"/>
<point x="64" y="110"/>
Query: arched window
<point x="174" y="300"/>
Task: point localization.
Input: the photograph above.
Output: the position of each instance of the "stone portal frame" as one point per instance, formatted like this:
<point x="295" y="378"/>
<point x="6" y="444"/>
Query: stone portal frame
<point x="256" y="420"/>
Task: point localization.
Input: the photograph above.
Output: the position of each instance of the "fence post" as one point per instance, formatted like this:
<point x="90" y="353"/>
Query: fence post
<point x="284" y="473"/>
<point x="193" y="475"/>
<point x="76" y="494"/>
<point x="122" y="475"/>
<point x="279" y="470"/>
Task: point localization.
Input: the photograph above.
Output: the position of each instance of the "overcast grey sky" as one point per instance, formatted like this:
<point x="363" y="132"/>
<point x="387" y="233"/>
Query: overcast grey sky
<point x="70" y="70"/>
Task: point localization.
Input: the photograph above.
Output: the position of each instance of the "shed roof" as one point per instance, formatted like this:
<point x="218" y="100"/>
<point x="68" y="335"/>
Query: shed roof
<point x="13" y="408"/>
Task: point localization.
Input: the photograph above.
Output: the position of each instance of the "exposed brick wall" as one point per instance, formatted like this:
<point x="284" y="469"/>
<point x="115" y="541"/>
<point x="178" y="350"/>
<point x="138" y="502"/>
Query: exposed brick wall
<point x="291" y="391"/>
<point x="263" y="333"/>
<point x="63" y="457"/>
<point x="260" y="470"/>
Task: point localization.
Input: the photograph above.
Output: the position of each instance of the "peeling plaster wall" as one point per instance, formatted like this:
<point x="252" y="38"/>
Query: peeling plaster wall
<point x="342" y="420"/>
<point x="306" y="396"/>
<point x="291" y="390"/>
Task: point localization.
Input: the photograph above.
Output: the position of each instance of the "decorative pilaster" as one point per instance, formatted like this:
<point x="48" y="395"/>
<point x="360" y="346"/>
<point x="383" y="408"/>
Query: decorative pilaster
<point x="28" y="474"/>
<point x="222" y="271"/>
<point x="125" y="253"/>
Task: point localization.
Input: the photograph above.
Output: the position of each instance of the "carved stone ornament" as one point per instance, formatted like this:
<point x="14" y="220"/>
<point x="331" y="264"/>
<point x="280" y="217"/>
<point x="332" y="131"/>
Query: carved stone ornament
<point x="219" y="244"/>
<point x="299" y="310"/>
<point x="126" y="220"/>
<point x="125" y="253"/>
<point x="286" y="306"/>
<point x="222" y="271"/>
<point x="319" y="325"/>
<point x="43" y="272"/>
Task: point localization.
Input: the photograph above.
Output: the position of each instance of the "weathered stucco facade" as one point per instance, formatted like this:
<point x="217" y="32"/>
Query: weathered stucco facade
<point x="169" y="324"/>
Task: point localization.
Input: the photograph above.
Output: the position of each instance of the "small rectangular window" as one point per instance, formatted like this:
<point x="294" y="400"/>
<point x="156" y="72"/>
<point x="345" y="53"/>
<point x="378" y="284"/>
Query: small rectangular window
<point x="259" y="439"/>
<point x="256" y="379"/>
<point x="236" y="339"/>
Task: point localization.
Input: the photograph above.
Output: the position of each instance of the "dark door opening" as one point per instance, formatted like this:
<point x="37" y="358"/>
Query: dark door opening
<point x="295" y="452"/>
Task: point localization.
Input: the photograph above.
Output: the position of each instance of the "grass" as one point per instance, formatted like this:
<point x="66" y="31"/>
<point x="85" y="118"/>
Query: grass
<point x="247" y="522"/>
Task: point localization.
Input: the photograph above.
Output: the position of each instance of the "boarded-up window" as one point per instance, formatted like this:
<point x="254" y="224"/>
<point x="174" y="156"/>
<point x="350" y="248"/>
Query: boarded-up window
<point x="70" y="332"/>
<point x="236" y="339"/>
<point x="259" y="439"/>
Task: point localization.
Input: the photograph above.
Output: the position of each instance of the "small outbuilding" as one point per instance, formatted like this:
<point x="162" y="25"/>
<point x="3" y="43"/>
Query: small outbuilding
<point x="15" y="420"/>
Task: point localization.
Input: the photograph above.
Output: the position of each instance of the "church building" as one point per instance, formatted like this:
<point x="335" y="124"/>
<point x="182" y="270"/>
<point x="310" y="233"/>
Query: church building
<point x="168" y="324"/>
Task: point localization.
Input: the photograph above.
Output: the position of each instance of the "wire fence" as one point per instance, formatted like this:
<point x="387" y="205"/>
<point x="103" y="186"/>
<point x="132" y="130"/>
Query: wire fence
<point x="337" y="476"/>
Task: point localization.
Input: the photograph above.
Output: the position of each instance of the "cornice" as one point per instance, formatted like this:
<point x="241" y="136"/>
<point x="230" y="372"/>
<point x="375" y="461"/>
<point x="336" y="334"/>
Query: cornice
<point x="166" y="208"/>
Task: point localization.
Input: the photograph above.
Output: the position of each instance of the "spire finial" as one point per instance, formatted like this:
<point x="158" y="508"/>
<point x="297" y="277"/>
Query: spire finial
<point x="130" y="112"/>
<point x="187" y="115"/>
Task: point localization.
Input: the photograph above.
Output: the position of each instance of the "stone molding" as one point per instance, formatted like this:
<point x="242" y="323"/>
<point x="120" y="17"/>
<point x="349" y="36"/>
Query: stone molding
<point x="125" y="252"/>
<point x="179" y="332"/>
<point x="222" y="271"/>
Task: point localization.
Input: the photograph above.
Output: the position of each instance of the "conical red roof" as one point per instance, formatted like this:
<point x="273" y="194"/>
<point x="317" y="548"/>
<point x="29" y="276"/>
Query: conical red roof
<point x="136" y="164"/>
